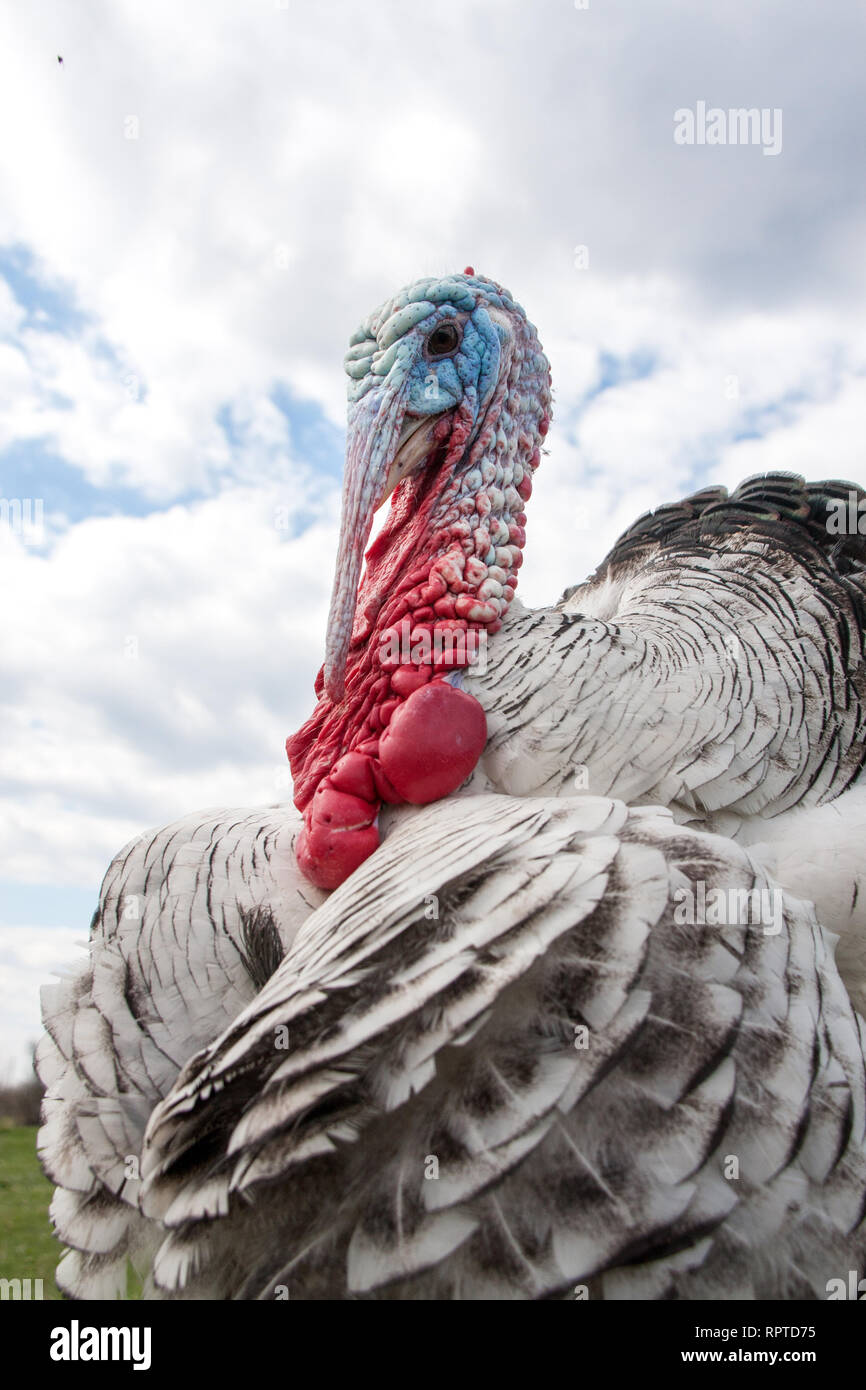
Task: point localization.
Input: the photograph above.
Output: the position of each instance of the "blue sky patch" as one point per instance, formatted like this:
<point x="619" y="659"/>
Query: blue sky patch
<point x="47" y="905"/>
<point x="49" y="306"/>
<point x="32" y="469"/>
<point x="315" y="439"/>
<point x="617" y="371"/>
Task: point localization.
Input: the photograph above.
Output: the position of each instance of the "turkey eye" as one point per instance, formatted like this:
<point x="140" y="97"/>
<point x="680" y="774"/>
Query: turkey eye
<point x="443" y="340"/>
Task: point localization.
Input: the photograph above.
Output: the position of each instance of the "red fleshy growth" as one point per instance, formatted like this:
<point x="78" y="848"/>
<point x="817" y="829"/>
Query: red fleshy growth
<point x="470" y="270"/>
<point x="352" y="774"/>
<point x="339" y="825"/>
<point x="433" y="742"/>
<point x="392" y="568"/>
<point x="386" y="789"/>
<point x="406" y="679"/>
<point x="339" y="810"/>
<point x="386" y="710"/>
<point x="327" y="857"/>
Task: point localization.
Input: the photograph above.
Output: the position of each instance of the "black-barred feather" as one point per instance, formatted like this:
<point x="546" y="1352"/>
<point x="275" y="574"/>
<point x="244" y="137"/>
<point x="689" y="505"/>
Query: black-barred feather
<point x="622" y="1060"/>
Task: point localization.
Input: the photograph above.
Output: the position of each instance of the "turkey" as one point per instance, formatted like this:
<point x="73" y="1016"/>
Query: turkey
<point x="534" y="995"/>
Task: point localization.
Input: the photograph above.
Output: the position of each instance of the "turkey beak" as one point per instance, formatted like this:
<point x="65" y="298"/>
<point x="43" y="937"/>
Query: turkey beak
<point x="373" y="470"/>
<point x="413" y="446"/>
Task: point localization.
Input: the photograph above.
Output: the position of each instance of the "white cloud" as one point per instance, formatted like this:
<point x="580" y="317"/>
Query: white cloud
<point x="29" y="956"/>
<point x="824" y="439"/>
<point x="155" y="664"/>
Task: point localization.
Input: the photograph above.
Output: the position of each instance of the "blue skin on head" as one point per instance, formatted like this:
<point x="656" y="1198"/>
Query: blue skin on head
<point x="388" y="351"/>
<point x="470" y="374"/>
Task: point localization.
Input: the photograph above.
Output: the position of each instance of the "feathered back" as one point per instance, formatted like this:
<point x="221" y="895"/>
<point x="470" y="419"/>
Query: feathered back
<point x="779" y="506"/>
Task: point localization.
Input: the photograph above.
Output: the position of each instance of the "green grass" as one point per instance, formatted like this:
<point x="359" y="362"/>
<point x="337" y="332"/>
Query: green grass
<point x="28" y="1248"/>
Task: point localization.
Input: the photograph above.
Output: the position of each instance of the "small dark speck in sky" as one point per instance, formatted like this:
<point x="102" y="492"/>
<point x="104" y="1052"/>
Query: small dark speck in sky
<point x="59" y="59"/>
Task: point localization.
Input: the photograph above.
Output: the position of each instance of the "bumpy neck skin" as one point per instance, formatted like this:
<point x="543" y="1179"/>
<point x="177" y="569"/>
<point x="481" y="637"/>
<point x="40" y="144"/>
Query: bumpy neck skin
<point x="441" y="574"/>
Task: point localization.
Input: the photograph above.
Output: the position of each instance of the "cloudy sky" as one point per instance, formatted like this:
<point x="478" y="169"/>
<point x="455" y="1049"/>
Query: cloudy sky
<point x="199" y="204"/>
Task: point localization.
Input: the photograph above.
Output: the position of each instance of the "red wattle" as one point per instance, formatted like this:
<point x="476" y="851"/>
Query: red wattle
<point x="339" y="810"/>
<point x="327" y="857"/>
<point x="406" y="679"/>
<point x="352" y="774"/>
<point x="433" y="742"/>
<point x="386" y="790"/>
